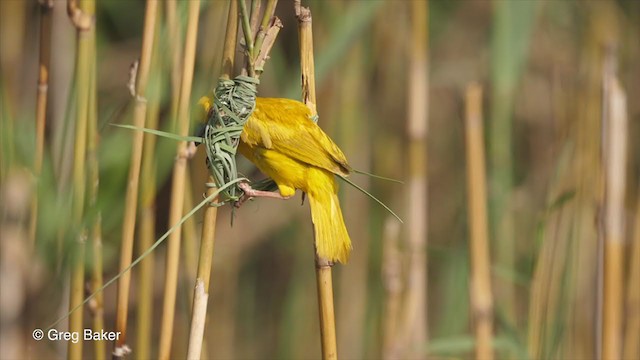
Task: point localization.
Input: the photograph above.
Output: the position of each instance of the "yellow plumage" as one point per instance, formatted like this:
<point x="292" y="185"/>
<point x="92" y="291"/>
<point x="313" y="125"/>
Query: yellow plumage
<point x="282" y="141"/>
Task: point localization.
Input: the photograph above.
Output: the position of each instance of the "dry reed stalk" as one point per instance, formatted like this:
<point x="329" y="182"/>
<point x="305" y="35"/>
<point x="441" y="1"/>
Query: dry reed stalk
<point x="174" y="40"/>
<point x="415" y="316"/>
<point x="632" y="329"/>
<point x="615" y="154"/>
<point x="178" y="184"/>
<point x="85" y="32"/>
<point x="147" y="214"/>
<point x="189" y="236"/>
<point x="392" y="281"/>
<point x="198" y="319"/>
<point x="201" y="291"/>
<point x="77" y="296"/>
<point x="95" y="233"/>
<point x="211" y="213"/>
<point x="140" y="77"/>
<point x="46" y="7"/>
<point x="324" y="280"/>
<point x="480" y="283"/>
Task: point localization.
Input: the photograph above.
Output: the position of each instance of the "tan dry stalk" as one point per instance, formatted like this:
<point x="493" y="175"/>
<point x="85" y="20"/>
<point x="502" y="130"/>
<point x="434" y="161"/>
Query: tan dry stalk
<point x="263" y="31"/>
<point x="83" y="78"/>
<point x="632" y="329"/>
<point x="41" y="107"/>
<point x="97" y="281"/>
<point x="189" y="236"/>
<point x="131" y="201"/>
<point x="198" y="319"/>
<point x="95" y="233"/>
<point x="415" y="316"/>
<point x="229" y="49"/>
<point x="324" y="284"/>
<point x="615" y="163"/>
<point x="147" y="220"/>
<point x="178" y="184"/>
<point x="307" y="66"/>
<point x="175" y="44"/>
<point x="199" y="311"/>
<point x="480" y="279"/>
<point x="392" y="281"/>
<point x="324" y="280"/>
<point x="201" y="292"/>
<point x="77" y="296"/>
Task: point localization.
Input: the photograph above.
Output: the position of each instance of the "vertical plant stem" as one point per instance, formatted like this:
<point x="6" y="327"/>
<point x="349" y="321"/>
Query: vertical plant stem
<point x="201" y="291"/>
<point x="307" y="66"/>
<point x="174" y="45"/>
<point x="131" y="201"/>
<point x="248" y="36"/>
<point x="177" y="189"/>
<point x="41" y="106"/>
<point x="324" y="280"/>
<point x="264" y="25"/>
<point x="324" y="285"/>
<point x="415" y="320"/>
<point x="93" y="175"/>
<point x="198" y="319"/>
<point x="189" y="235"/>
<point x="480" y="286"/>
<point x="392" y="281"/>
<point x="229" y="50"/>
<point x="83" y="78"/>
<point x="632" y="329"/>
<point x="615" y="162"/>
<point x="147" y="223"/>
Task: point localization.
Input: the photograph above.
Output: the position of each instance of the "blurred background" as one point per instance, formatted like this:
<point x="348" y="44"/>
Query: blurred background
<point x="380" y="66"/>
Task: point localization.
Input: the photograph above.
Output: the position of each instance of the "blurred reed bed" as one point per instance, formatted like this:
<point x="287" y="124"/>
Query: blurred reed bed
<point x="542" y="66"/>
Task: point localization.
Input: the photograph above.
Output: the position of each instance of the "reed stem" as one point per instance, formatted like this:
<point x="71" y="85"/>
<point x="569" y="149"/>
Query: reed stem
<point x="615" y="174"/>
<point x="392" y="281"/>
<point x="414" y="330"/>
<point x="174" y="44"/>
<point x="41" y="107"/>
<point x="178" y="184"/>
<point x="95" y="233"/>
<point x="480" y="286"/>
<point x="131" y="201"/>
<point x="83" y="77"/>
<point x="198" y="320"/>
<point x="632" y="329"/>
<point x="147" y="221"/>
<point x="324" y="280"/>
<point x="201" y="290"/>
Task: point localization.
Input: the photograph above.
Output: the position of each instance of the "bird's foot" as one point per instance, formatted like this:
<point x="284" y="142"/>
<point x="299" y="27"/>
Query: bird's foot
<point x="250" y="192"/>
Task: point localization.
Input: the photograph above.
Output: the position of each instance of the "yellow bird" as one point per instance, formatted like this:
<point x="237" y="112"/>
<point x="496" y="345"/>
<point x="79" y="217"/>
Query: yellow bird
<point x="283" y="142"/>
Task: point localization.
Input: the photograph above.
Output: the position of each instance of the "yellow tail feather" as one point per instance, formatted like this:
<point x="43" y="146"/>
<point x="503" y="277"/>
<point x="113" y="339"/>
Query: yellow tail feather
<point x="332" y="240"/>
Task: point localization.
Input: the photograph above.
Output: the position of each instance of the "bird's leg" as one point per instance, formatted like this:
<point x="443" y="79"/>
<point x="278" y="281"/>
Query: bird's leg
<point x="250" y="192"/>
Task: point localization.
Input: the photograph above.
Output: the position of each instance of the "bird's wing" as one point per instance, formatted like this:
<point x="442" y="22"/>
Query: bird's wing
<point x="285" y="126"/>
